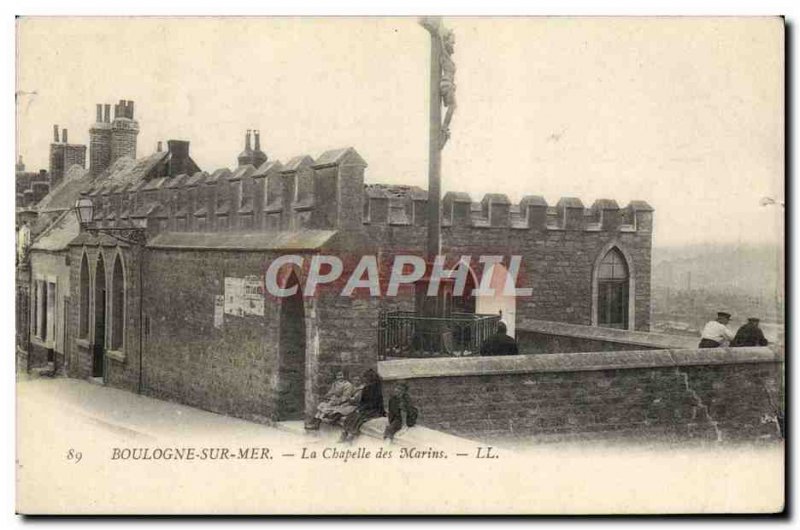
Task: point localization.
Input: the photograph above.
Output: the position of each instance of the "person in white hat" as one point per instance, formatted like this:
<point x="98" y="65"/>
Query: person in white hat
<point x="717" y="333"/>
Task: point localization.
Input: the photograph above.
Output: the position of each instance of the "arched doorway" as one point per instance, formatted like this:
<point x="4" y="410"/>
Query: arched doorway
<point x="498" y="302"/>
<point x="464" y="301"/>
<point x="99" y="348"/>
<point x="290" y="403"/>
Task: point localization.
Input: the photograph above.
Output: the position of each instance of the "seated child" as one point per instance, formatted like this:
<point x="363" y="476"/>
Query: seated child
<point x="401" y="411"/>
<point x="330" y="410"/>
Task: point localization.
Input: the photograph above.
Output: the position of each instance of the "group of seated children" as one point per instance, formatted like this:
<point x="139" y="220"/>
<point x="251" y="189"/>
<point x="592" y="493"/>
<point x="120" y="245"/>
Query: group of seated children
<point x="353" y="404"/>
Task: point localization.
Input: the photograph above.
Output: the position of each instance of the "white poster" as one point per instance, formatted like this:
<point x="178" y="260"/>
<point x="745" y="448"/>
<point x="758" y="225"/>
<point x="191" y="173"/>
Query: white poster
<point x="234" y="296"/>
<point x="244" y="296"/>
<point x="253" y="296"/>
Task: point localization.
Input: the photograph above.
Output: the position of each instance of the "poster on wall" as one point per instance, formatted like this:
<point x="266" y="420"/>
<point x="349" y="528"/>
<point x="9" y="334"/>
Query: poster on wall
<point x="253" y="296"/>
<point x="234" y="296"/>
<point x="244" y="296"/>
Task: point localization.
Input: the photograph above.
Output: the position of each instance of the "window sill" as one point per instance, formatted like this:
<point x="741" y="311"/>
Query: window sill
<point x="117" y="355"/>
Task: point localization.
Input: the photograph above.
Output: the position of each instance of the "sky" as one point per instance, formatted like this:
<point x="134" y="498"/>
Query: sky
<point x="686" y="114"/>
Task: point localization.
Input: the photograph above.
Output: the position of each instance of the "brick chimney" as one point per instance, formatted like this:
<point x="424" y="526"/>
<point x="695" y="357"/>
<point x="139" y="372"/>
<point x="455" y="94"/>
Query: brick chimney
<point x="124" y="131"/>
<point x="179" y="161"/>
<point x="100" y="140"/>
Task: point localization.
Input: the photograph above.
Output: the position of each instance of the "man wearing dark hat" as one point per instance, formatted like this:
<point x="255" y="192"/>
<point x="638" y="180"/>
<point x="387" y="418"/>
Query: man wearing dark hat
<point x="717" y="333"/>
<point x="749" y="335"/>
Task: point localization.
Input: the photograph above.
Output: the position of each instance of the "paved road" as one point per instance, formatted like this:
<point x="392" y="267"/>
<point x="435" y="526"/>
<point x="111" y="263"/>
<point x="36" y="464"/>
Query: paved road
<point x="62" y="402"/>
<point x="61" y="418"/>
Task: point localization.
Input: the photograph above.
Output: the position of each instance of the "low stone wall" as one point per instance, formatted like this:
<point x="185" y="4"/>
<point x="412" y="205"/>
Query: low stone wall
<point x="541" y="336"/>
<point x="714" y="395"/>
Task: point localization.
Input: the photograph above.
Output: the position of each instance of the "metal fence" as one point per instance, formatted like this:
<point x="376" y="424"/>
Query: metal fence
<point x="406" y="334"/>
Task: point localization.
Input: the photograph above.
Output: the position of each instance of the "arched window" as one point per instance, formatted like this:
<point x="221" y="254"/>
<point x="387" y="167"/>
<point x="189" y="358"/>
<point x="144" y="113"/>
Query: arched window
<point x="83" y="325"/>
<point x="613" y="291"/>
<point x="117" y="306"/>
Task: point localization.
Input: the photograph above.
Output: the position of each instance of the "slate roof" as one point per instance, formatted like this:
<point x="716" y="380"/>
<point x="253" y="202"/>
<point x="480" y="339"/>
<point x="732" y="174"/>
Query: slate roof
<point x="64" y="195"/>
<point x="59" y="234"/>
<point x="127" y="171"/>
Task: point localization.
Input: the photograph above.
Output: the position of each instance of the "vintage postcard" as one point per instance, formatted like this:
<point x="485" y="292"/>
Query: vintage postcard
<point x="396" y="266"/>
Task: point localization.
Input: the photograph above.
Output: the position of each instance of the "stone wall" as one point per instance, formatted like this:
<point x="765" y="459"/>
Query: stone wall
<point x="229" y="369"/>
<point x="538" y="336"/>
<point x="233" y="366"/>
<point x="122" y="366"/>
<point x="558" y="265"/>
<point x="712" y="395"/>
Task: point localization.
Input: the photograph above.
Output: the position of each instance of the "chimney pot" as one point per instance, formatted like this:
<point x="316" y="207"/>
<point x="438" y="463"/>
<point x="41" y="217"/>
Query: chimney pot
<point x="99" y="113"/>
<point x="107" y="113"/>
<point x="130" y="109"/>
<point x="158" y="147"/>
<point x="64" y="135"/>
<point x="258" y="140"/>
<point x="247" y="141"/>
<point x="55" y="134"/>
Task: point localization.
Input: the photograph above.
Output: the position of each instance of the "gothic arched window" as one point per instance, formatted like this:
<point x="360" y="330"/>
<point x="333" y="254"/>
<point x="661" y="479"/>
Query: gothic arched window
<point x="117" y="306"/>
<point x="83" y="324"/>
<point x="613" y="291"/>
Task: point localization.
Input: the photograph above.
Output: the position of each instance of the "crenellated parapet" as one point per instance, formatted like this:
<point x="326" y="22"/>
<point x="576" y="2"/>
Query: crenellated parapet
<point x="329" y="193"/>
<point x="326" y="192"/>
<point x="386" y="204"/>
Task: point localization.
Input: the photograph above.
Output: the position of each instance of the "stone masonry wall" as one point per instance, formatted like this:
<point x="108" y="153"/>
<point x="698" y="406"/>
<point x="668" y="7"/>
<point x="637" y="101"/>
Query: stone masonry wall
<point x="710" y="395"/>
<point x="122" y="370"/>
<point x="557" y="264"/>
<point x="234" y="369"/>
<point x="229" y="369"/>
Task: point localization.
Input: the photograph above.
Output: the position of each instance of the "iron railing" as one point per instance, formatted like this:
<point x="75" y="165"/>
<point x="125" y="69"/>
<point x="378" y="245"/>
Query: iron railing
<point x="406" y="334"/>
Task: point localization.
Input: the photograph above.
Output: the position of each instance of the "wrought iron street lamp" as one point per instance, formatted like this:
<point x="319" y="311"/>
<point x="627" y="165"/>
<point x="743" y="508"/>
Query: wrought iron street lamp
<point x="85" y="210"/>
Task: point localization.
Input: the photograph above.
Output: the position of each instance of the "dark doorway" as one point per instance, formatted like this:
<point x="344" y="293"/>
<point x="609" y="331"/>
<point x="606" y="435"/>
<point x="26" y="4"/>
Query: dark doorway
<point x="291" y="355"/>
<point x="98" y="360"/>
<point x="464" y="302"/>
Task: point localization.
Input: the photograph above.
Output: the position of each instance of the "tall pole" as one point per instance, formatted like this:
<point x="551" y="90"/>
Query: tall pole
<point x="435" y="152"/>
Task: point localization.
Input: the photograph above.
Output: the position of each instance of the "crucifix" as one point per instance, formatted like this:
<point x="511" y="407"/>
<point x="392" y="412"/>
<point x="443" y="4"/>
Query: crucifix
<point x="442" y="94"/>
